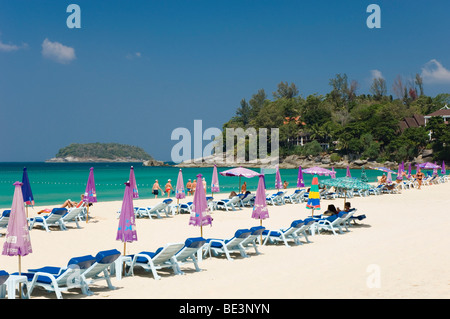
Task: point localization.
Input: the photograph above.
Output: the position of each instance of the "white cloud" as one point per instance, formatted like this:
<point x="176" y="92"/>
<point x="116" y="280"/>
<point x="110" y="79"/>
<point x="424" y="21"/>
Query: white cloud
<point x="434" y="72"/>
<point x="57" y="52"/>
<point x="132" y="56"/>
<point x="11" y="47"/>
<point x="376" y="74"/>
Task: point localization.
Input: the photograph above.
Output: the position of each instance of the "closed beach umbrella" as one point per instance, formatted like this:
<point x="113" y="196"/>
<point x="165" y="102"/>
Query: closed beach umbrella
<point x="260" y="210"/>
<point x="300" y="182"/>
<point x="399" y="172"/>
<point x="215" y="181"/>
<point x="409" y="171"/>
<point x="199" y="215"/>
<point x="126" y="231"/>
<point x="17" y="240"/>
<point x="435" y="172"/>
<point x="26" y="190"/>
<point x="443" y="168"/>
<point x="90" y="195"/>
<point x="314" y="196"/>
<point x="333" y="173"/>
<point x="389" y="178"/>
<point x="348" y="172"/>
<point x="179" y="189"/>
<point x="133" y="184"/>
<point x="278" y="183"/>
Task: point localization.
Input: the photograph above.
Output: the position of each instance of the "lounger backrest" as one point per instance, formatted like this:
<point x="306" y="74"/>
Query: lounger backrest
<point x="158" y="206"/>
<point x="3" y="277"/>
<point x="191" y="245"/>
<point x="102" y="261"/>
<point x="6" y="213"/>
<point x="167" y="201"/>
<point x="73" y="213"/>
<point x="167" y="252"/>
<point x="257" y="230"/>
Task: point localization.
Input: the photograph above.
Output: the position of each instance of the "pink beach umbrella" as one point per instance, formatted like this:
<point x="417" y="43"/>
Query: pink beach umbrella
<point x="278" y="183"/>
<point x="133" y="184"/>
<point x="126" y="231"/>
<point x="179" y="189"/>
<point x="240" y="171"/>
<point x="443" y="168"/>
<point x="348" y="172"/>
<point x="199" y="215"/>
<point x="90" y="195"/>
<point x="17" y="241"/>
<point x="260" y="210"/>
<point x="333" y="173"/>
<point x="389" y="178"/>
<point x="215" y="181"/>
<point x="300" y="182"/>
<point x="399" y="172"/>
<point x="409" y="171"/>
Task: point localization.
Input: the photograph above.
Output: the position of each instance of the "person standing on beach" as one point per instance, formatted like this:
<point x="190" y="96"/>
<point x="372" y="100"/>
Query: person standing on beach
<point x="204" y="184"/>
<point x="194" y="186"/>
<point x="189" y="187"/>
<point x="419" y="176"/>
<point x="168" y="187"/>
<point x="156" y="188"/>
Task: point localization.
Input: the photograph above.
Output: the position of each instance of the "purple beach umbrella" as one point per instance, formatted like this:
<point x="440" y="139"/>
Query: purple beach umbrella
<point x="215" y="181"/>
<point x="179" y="190"/>
<point x="199" y="215"/>
<point x="240" y="171"/>
<point x="315" y="170"/>
<point x="399" y="172"/>
<point x="133" y="184"/>
<point x="300" y="182"/>
<point x="333" y="173"/>
<point x="409" y="171"/>
<point x="126" y="231"/>
<point x="260" y="210"/>
<point x="278" y="183"/>
<point x="17" y="240"/>
<point x="348" y="172"/>
<point x="89" y="195"/>
<point x="443" y="168"/>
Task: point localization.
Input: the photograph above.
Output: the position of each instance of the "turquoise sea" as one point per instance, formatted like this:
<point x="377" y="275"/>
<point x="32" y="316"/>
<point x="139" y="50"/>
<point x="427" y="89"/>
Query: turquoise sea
<point x="53" y="183"/>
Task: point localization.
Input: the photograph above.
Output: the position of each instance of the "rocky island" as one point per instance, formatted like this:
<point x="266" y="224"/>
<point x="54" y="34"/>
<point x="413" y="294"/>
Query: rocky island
<point x="104" y="152"/>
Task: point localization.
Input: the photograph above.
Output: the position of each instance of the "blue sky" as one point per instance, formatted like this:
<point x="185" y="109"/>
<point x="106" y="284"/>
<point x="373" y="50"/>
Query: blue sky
<point x="136" y="70"/>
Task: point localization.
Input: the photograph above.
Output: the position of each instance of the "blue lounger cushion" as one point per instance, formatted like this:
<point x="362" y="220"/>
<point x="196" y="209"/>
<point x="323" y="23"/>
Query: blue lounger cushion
<point x="6" y="213"/>
<point x="257" y="230"/>
<point x="149" y="254"/>
<point x="107" y="256"/>
<point x="196" y="242"/>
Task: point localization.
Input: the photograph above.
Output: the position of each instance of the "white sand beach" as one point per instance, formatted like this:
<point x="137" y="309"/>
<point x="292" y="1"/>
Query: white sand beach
<point x="399" y="251"/>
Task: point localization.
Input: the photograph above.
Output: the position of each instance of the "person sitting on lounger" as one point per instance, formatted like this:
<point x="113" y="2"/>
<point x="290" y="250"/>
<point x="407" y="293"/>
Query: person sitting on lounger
<point x="383" y="179"/>
<point x="232" y="194"/>
<point x="331" y="211"/>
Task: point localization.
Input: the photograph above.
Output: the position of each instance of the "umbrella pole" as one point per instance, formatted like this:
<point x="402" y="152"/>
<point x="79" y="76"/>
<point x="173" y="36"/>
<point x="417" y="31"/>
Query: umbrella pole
<point x="124" y="253"/>
<point x="87" y="212"/>
<point x="178" y="206"/>
<point x="201" y="231"/>
<point x="260" y="224"/>
<point x="20" y="273"/>
<point x="239" y="184"/>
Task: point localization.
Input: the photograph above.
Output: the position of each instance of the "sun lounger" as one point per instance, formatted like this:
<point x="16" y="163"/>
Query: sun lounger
<point x="156" y="210"/>
<point x="295" y="197"/>
<point x="72" y="216"/>
<point x="187" y="253"/>
<point x="3" y="278"/>
<point x="163" y="257"/>
<point x="4" y="219"/>
<point x="276" y="199"/>
<point x="227" y="246"/>
<point x="229" y="203"/>
<point x="247" y="200"/>
<point x="55" y="279"/>
<point x="52" y="219"/>
<point x="186" y="208"/>
<point x="250" y="241"/>
<point x="284" y="234"/>
<point x="331" y="223"/>
<point x="102" y="265"/>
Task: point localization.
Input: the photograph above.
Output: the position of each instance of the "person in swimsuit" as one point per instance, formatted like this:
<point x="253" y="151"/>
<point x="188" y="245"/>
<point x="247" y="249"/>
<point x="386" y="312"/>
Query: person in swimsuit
<point x="194" y="186"/>
<point x="419" y="176"/>
<point x="156" y="188"/>
<point x="168" y="188"/>
<point x="189" y="187"/>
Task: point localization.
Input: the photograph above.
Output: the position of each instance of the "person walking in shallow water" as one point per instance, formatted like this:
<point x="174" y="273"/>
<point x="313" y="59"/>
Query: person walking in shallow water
<point x="156" y="188"/>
